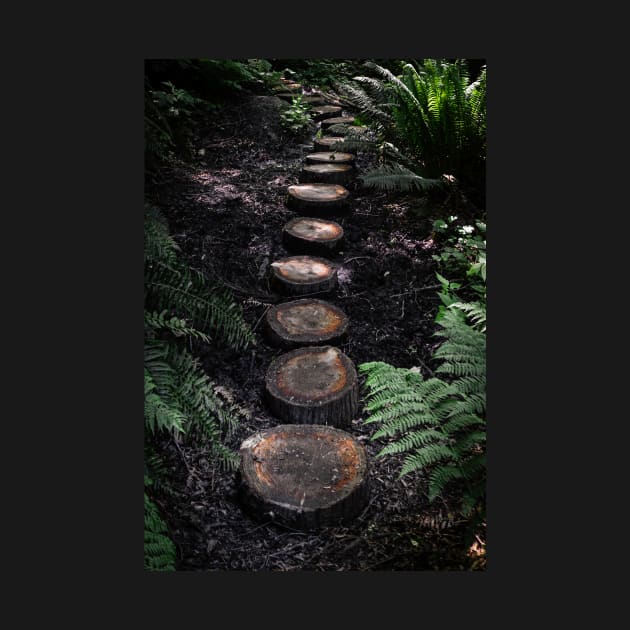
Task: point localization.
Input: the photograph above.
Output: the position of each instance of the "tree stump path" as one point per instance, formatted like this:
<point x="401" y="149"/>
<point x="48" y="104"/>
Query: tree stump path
<point x="309" y="471"/>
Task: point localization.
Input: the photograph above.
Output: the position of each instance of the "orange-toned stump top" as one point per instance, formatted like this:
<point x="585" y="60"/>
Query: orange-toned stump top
<point x="297" y="275"/>
<point x="304" y="476"/>
<point x="313" y="385"/>
<point x="329" y="157"/>
<point x="318" y="198"/>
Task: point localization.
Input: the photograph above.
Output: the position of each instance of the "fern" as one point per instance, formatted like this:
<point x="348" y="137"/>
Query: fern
<point x="397" y="177"/>
<point x="438" y="424"/>
<point x="159" y="550"/>
<point x="171" y="286"/>
<point x="179" y="398"/>
<point x="433" y="115"/>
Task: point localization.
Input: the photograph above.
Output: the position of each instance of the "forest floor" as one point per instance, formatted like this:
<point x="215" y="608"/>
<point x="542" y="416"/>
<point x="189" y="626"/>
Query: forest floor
<point x="225" y="207"/>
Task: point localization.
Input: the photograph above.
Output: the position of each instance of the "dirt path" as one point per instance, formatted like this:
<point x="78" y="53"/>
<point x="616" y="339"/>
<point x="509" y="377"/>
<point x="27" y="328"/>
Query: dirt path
<point x="226" y="209"/>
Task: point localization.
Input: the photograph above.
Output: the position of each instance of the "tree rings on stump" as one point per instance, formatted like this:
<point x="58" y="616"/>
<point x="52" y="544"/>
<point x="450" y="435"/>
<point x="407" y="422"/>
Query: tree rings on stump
<point x="338" y="120"/>
<point x="300" y="275"/>
<point x="305" y="322"/>
<point x="329" y="157"/>
<point x="318" y="199"/>
<point x="306" y="235"/>
<point x="327" y="173"/>
<point x="326" y="143"/>
<point x="305" y="477"/>
<point x="325" y="111"/>
<point x="313" y="385"/>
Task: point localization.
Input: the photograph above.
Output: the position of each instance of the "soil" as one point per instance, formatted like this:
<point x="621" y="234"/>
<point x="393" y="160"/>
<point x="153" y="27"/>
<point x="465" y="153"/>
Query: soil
<point x="226" y="209"/>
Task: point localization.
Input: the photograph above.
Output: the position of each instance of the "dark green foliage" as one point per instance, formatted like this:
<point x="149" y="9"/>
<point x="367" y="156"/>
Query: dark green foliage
<point x="430" y="121"/>
<point x="159" y="550"/>
<point x="296" y="118"/>
<point x="178" y="91"/>
<point x="462" y="255"/>
<point x="179" y="398"/>
<point x="439" y="422"/>
<point x="172" y="289"/>
<point x="168" y="118"/>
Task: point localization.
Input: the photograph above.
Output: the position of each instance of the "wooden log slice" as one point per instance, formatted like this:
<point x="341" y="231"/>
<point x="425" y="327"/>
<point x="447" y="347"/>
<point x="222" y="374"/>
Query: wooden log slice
<point x="300" y="275"/>
<point x="319" y="200"/>
<point x="305" y="322"/>
<point x="325" y="111"/>
<point x="329" y="157"/>
<point x="327" y="174"/>
<point x="327" y="143"/>
<point x="306" y="235"/>
<point x="305" y="477"/>
<point x="313" y="385"/>
<point x="293" y="87"/>
<point x="345" y="132"/>
<point x="337" y="120"/>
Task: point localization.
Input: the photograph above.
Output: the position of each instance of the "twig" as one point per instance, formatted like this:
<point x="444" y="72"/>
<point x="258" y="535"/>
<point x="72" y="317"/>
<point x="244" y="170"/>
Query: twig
<point x="426" y="367"/>
<point x="260" y="318"/>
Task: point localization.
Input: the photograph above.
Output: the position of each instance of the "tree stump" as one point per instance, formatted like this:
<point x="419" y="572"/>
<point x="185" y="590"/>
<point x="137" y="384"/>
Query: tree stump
<point x="305" y="477"/>
<point x="346" y="132"/>
<point x="325" y="111"/>
<point x="301" y="275"/>
<point x="313" y="385"/>
<point x="287" y="87"/>
<point x="338" y="120"/>
<point x="319" y="200"/>
<point x="305" y="322"/>
<point x="327" y="143"/>
<point x="327" y="174"/>
<point x="329" y="157"/>
<point x="306" y="235"/>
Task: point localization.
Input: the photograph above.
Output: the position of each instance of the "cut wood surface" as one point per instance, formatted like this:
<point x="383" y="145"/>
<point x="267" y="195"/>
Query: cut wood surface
<point x="301" y="275"/>
<point x="329" y="157"/>
<point x="318" y="199"/>
<point x="309" y="235"/>
<point x="305" y="322"/>
<point x="313" y="385"/>
<point x="305" y="477"/>
<point x="337" y="120"/>
<point x="330" y="173"/>
<point x="325" y="111"/>
<point x="326" y="143"/>
<point x="345" y="132"/>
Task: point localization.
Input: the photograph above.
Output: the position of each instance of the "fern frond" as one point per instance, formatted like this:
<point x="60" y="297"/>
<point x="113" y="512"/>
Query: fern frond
<point x="159" y="551"/>
<point x="397" y="177"/>
<point x="426" y="456"/>
<point x="475" y="311"/>
<point x="412" y="440"/>
<point x="178" y="327"/>
<point x="461" y="422"/>
<point x="440" y="477"/>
